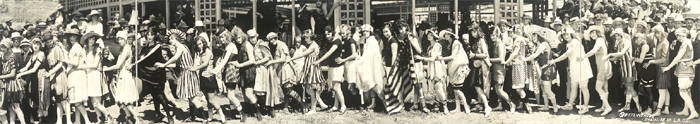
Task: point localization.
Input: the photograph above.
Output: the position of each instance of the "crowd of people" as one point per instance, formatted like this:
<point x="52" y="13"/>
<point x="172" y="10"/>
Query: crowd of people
<point x="71" y="66"/>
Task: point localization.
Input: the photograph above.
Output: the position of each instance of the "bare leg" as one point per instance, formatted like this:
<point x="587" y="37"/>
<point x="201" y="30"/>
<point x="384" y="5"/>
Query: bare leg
<point x="459" y="99"/>
<point x="662" y="102"/>
<point x="601" y="88"/>
<point x="66" y="109"/>
<point x="339" y="96"/>
<point x="59" y="116"/>
<point x="685" y="94"/>
<point x="96" y="102"/>
<point x="318" y="99"/>
<point x="312" y="93"/>
<point x="12" y="114"/>
<point x="523" y="99"/>
<point x="586" y="96"/>
<point x="482" y="96"/>
<point x="573" y="93"/>
<point x="547" y="88"/>
<point x="504" y="95"/>
<point x="83" y="113"/>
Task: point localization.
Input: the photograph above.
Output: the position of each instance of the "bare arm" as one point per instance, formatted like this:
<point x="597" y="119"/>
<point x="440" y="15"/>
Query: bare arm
<point x="120" y="61"/>
<point x="595" y="49"/>
<point x="220" y="65"/>
<point x="513" y="55"/>
<point x="501" y="54"/>
<point x="394" y="52"/>
<point x="540" y="50"/>
<point x="205" y="61"/>
<point x="563" y="56"/>
<point x="176" y="56"/>
<point x="34" y="68"/>
<point x="251" y="57"/>
<point x="9" y="75"/>
<point x="325" y="56"/>
<point x="305" y="53"/>
<point x="643" y="53"/>
<point x="677" y="59"/>
<point x="156" y="48"/>
<point x="621" y="52"/>
<point x="484" y="50"/>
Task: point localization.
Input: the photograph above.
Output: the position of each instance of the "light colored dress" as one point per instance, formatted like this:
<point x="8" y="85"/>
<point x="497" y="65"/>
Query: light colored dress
<point x="298" y="64"/>
<point x="578" y="70"/>
<point x="371" y="64"/>
<point x="458" y="68"/>
<point x="519" y="67"/>
<point x="125" y="91"/>
<point x="265" y="75"/>
<point x="436" y="69"/>
<point x="284" y="72"/>
<point x="59" y="78"/>
<point x="94" y="76"/>
<point x="77" y="77"/>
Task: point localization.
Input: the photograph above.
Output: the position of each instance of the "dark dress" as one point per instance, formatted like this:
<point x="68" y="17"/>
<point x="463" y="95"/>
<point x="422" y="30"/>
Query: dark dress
<point x="399" y="82"/>
<point x="14" y="90"/>
<point x="663" y="79"/>
<point x="247" y="73"/>
<point x="549" y="73"/>
<point x="146" y="69"/>
<point x="646" y="76"/>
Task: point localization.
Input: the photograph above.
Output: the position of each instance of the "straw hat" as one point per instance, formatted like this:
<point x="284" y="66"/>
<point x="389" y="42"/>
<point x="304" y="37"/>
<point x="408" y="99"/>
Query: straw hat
<point x="41" y="25"/>
<point x="93" y="13"/>
<point x="592" y="29"/>
<point x="678" y="18"/>
<point x="431" y="32"/>
<point x="25" y="42"/>
<point x="88" y="36"/>
<point x="16" y="35"/>
<point x="617" y="31"/>
<point x="658" y="28"/>
<point x="271" y="35"/>
<point x="574" y="19"/>
<point x="367" y="27"/>
<point x="198" y="23"/>
<point x="682" y="31"/>
<point x="72" y="31"/>
<point x="556" y="22"/>
<point x="146" y="22"/>
<point x="252" y="33"/>
<point x="6" y="44"/>
<point x="444" y="33"/>
<point x="122" y="34"/>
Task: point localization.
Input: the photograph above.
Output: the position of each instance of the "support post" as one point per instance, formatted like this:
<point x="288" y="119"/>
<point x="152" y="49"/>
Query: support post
<point x="456" y="17"/>
<point x="294" y="20"/>
<point x="368" y="11"/>
<point x="413" y="17"/>
<point x="254" y="14"/>
<point x="167" y="14"/>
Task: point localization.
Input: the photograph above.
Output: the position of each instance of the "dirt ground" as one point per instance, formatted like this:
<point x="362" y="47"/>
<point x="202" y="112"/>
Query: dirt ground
<point x="354" y="116"/>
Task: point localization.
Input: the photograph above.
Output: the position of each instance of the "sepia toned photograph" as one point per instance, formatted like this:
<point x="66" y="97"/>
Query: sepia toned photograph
<point x="349" y="61"/>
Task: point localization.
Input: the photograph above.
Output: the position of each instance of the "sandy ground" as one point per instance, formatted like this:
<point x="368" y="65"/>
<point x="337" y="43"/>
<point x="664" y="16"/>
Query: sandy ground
<point x="354" y="116"/>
